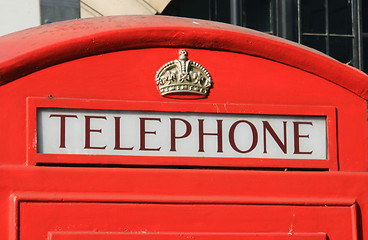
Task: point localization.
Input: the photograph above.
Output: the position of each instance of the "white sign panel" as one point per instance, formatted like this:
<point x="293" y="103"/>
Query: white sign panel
<point x="146" y="133"/>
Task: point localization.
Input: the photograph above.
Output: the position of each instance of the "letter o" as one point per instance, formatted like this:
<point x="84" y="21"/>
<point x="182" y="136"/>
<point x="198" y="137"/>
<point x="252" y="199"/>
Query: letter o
<point x="232" y="139"/>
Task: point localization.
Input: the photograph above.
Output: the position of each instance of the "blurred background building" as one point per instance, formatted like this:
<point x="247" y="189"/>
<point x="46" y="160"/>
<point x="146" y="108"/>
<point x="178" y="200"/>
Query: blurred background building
<point x="338" y="28"/>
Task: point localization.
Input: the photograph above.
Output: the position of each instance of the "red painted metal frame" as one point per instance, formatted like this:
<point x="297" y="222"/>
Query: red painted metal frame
<point x="17" y="199"/>
<point x="331" y="163"/>
<point x="187" y="187"/>
<point x="49" y="187"/>
<point x="184" y="236"/>
<point x="70" y="40"/>
<point x="75" y="44"/>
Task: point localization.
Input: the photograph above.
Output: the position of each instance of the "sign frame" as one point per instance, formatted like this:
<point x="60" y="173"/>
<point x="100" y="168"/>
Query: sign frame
<point x="42" y="159"/>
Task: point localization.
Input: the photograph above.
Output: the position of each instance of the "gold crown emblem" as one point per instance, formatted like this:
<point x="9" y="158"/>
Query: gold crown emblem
<point x="183" y="76"/>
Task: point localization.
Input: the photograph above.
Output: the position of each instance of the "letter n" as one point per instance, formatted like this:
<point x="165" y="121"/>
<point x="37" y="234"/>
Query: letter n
<point x="267" y="128"/>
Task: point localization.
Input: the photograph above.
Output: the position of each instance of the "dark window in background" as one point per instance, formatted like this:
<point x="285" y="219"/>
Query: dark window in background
<point x="330" y="26"/>
<point x="341" y="49"/>
<point x="59" y="10"/>
<point x="364" y="12"/>
<point x="365" y="54"/>
<point x="340" y="16"/>
<point x="256" y="14"/>
<point x="327" y="26"/>
<point x="365" y="15"/>
<point x="316" y="42"/>
<point x="313" y="16"/>
<point x="220" y="11"/>
<point x="215" y="10"/>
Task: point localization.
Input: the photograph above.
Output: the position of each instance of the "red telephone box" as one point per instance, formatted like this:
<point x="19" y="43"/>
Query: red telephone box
<point x="160" y="128"/>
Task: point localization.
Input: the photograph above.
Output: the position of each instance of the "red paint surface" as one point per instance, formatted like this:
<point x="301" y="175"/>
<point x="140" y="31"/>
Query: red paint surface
<point x="195" y="201"/>
<point x="110" y="63"/>
<point x="70" y="40"/>
<point x="210" y="218"/>
<point x="184" y="236"/>
<point x="238" y="79"/>
<point x="34" y="158"/>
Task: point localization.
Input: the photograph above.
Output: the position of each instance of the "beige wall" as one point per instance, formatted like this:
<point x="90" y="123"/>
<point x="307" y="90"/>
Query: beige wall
<point x="16" y="15"/>
<point x="20" y="14"/>
<point x="95" y="8"/>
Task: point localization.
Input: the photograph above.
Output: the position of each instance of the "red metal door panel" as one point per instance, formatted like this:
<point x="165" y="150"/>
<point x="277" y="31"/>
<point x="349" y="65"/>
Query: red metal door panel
<point x="37" y="219"/>
<point x="184" y="236"/>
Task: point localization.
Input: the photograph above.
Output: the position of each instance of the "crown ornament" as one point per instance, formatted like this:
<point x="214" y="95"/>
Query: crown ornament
<point x="183" y="76"/>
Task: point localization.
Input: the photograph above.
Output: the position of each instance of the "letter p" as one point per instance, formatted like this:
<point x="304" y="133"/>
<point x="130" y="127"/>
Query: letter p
<point x="173" y="138"/>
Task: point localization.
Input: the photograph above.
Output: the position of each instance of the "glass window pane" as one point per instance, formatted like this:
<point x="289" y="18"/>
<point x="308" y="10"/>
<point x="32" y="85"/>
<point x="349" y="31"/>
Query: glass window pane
<point x="188" y="8"/>
<point x="339" y="16"/>
<point x="59" y="10"/>
<point x="220" y="11"/>
<point x="365" y="55"/>
<point x="313" y="17"/>
<point x="316" y="42"/>
<point x="365" y="15"/>
<point x="341" y="49"/>
<point x="256" y="15"/>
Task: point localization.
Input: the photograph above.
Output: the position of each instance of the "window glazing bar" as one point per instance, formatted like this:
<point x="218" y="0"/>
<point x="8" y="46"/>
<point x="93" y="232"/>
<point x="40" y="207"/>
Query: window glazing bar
<point x="235" y="12"/>
<point x="357" y="27"/>
<point x="273" y="4"/>
<point x="213" y="10"/>
<point x="299" y="22"/>
<point x="327" y="30"/>
<point x="326" y="35"/>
